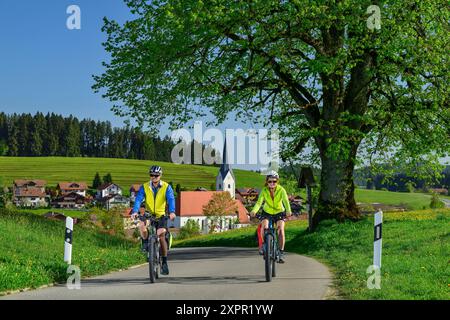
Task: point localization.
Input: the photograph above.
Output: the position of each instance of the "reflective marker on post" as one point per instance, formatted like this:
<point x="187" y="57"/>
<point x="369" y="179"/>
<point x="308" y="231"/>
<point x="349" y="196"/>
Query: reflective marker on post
<point x="377" y="241"/>
<point x="68" y="241"/>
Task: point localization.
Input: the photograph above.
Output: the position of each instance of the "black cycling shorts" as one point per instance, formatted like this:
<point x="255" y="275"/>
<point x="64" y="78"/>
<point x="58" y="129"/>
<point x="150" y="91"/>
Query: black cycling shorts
<point x="159" y="223"/>
<point x="276" y="217"/>
<point x="162" y="222"/>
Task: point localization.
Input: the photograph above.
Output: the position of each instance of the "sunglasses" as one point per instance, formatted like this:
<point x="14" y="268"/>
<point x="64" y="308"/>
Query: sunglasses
<point x="272" y="181"/>
<point x="154" y="175"/>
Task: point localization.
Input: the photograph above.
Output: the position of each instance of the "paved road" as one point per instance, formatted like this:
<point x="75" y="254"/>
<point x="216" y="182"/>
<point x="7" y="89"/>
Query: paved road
<point x="204" y="273"/>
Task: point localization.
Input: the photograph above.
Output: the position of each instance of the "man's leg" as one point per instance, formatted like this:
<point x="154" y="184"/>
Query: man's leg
<point x="162" y="241"/>
<point x="162" y="229"/>
<point x="144" y="234"/>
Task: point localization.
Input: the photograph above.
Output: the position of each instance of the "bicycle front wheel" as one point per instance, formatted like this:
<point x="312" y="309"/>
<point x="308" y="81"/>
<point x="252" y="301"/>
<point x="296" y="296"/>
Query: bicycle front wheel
<point x="268" y="256"/>
<point x="151" y="259"/>
<point x="274" y="258"/>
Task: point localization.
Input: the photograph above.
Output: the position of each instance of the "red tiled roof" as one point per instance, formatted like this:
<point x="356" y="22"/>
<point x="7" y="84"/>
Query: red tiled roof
<point x="243" y="213"/>
<point x="106" y="185"/>
<point x="37" y="183"/>
<point x="190" y="203"/>
<point x="72" y="185"/>
<point x="248" y="191"/>
<point x="71" y="197"/>
<point x="32" y="192"/>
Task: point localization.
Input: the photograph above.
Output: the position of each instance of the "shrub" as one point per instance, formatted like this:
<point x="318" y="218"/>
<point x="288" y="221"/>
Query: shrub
<point x="436" y="203"/>
<point x="110" y="221"/>
<point x="190" y="229"/>
<point x="409" y="187"/>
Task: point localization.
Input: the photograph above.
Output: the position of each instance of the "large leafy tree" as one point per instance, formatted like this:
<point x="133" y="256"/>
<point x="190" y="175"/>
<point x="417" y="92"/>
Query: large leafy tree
<point x="312" y="68"/>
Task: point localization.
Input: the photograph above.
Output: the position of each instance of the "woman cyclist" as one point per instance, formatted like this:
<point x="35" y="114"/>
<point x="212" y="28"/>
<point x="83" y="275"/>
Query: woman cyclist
<point x="276" y="205"/>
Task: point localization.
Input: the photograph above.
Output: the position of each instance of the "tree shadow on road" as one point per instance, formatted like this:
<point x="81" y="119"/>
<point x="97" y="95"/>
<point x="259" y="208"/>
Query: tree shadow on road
<point x="211" y="253"/>
<point x="200" y="280"/>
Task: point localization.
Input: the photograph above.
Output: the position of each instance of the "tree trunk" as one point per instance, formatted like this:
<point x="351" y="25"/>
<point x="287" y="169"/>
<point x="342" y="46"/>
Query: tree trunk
<point x="337" y="197"/>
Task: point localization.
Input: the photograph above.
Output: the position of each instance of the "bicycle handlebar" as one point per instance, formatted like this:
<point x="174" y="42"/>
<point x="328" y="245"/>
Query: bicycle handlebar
<point x="144" y="217"/>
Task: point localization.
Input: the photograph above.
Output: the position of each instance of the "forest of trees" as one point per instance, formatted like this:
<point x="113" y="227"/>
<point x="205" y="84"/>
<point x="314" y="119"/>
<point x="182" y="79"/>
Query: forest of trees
<point x="55" y="135"/>
<point x="24" y="135"/>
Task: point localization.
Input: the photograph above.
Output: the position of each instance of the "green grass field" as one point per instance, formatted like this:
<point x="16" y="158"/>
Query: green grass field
<point x="413" y="201"/>
<point x="415" y="262"/>
<point x="32" y="251"/>
<point x="124" y="171"/>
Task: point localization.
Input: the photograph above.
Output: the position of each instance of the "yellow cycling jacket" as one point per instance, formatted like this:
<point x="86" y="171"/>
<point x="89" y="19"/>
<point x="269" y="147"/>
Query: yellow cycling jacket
<point x="280" y="202"/>
<point x="156" y="204"/>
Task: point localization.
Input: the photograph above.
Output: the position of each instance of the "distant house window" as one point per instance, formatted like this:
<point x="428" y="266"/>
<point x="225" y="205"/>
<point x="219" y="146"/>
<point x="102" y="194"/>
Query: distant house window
<point x="229" y="186"/>
<point x="220" y="186"/>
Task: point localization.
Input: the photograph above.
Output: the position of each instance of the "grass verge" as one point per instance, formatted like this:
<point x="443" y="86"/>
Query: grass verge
<point x="32" y="251"/>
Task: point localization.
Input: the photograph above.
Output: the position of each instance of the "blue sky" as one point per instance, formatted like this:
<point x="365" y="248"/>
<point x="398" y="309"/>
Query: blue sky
<point x="46" y="67"/>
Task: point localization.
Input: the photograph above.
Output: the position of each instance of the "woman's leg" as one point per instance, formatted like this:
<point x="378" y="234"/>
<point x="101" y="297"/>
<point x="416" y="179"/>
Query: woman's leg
<point x="264" y="226"/>
<point x="281" y="241"/>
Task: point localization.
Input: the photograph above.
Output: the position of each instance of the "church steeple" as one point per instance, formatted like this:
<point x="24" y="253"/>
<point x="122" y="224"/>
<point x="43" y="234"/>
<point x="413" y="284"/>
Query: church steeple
<point x="225" y="167"/>
<point x="225" y="180"/>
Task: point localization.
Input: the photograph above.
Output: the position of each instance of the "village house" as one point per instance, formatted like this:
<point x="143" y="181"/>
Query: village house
<point x="296" y="204"/>
<point x="71" y="200"/>
<point x="115" y="200"/>
<point x="110" y="196"/>
<point x="247" y="195"/>
<point x="69" y="187"/>
<point x="108" y="189"/>
<point x="30" y="193"/>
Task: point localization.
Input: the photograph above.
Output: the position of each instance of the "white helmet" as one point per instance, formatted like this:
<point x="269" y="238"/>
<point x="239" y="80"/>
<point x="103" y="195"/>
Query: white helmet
<point x="272" y="174"/>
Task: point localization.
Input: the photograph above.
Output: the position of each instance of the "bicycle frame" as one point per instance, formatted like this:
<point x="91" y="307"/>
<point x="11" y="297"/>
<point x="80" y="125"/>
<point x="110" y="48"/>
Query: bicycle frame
<point x="273" y="230"/>
<point x="271" y="250"/>
<point x="153" y="248"/>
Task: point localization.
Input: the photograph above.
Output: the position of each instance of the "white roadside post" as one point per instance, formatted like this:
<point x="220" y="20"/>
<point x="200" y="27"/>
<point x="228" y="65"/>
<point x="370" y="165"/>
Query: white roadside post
<point x="68" y="241"/>
<point x="377" y="241"/>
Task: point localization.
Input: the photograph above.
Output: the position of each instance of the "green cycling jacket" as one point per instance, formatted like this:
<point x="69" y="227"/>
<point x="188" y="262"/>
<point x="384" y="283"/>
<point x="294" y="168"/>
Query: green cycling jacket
<point x="280" y="202"/>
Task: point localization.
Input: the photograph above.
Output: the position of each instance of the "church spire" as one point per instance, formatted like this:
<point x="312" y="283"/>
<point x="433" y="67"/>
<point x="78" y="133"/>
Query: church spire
<point x="225" y="167"/>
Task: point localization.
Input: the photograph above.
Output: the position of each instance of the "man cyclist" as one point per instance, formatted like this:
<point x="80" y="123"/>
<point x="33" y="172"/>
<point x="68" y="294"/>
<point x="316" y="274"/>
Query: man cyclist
<point x="276" y="205"/>
<point x="156" y="194"/>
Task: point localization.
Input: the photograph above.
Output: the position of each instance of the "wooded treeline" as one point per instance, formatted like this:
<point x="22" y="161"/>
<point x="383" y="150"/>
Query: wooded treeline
<point x="54" y="135"/>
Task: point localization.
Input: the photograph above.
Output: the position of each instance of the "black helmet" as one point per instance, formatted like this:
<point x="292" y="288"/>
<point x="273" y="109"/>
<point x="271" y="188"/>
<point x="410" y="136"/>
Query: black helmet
<point x="155" y="170"/>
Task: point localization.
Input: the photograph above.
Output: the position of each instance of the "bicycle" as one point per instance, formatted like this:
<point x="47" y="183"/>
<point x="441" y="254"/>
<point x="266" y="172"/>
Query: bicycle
<point x="271" y="249"/>
<point x="153" y="247"/>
